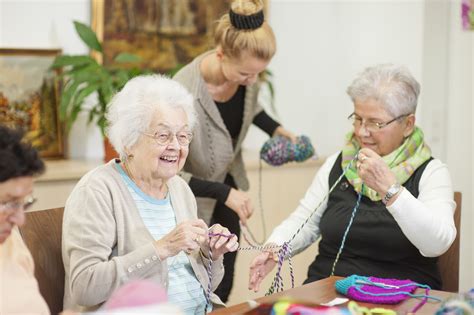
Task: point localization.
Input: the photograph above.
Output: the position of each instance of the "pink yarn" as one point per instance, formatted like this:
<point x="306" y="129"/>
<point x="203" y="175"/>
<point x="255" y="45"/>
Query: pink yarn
<point x="136" y="293"/>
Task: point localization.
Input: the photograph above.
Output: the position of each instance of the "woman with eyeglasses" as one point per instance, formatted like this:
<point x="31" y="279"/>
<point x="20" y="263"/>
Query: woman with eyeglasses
<point x="19" y="163"/>
<point x="405" y="216"/>
<point x="133" y="218"/>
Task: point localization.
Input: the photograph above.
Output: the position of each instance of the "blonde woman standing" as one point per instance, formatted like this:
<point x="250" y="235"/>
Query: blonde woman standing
<point x="225" y="84"/>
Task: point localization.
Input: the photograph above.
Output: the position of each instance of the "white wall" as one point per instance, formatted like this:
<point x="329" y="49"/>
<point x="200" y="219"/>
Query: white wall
<point x="459" y="132"/>
<point x="321" y="46"/>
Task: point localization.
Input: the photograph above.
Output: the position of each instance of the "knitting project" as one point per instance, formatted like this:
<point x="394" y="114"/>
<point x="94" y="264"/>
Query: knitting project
<point x="382" y="291"/>
<point x="375" y="290"/>
<point x="280" y="150"/>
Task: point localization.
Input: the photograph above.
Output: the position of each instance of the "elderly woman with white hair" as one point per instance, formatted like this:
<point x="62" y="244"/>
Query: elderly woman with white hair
<point x="134" y="218"/>
<point x="405" y="216"/>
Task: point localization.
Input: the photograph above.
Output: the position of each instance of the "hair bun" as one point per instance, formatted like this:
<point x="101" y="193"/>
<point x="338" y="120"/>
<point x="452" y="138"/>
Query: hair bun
<point x="280" y="150"/>
<point x="246" y="22"/>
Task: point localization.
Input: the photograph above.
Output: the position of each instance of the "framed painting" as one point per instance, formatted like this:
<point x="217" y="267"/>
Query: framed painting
<point x="467" y="14"/>
<point x="164" y="33"/>
<point x="29" y="97"/>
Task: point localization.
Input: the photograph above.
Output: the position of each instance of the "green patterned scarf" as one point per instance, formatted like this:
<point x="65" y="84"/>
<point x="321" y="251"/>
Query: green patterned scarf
<point x="403" y="161"/>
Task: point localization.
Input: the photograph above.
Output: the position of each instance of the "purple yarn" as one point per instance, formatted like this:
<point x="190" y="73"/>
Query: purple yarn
<point x="280" y="150"/>
<point x="359" y="295"/>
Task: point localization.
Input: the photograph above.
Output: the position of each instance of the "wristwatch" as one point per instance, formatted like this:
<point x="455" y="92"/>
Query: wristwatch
<point x="392" y="191"/>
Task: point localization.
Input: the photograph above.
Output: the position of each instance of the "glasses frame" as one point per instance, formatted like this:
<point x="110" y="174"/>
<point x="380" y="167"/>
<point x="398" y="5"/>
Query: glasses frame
<point x="379" y="125"/>
<point x="16" y="205"/>
<point x="170" y="139"/>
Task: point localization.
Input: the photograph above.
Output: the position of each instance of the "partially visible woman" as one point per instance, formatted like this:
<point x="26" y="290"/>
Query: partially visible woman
<point x="19" y="163"/>
<point x="225" y="84"/>
<point x="133" y="218"/>
<point x="405" y="217"/>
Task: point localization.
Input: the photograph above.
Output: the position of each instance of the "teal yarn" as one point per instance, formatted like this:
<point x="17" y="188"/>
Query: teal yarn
<point x="279" y="150"/>
<point x="342" y="286"/>
<point x="343" y="242"/>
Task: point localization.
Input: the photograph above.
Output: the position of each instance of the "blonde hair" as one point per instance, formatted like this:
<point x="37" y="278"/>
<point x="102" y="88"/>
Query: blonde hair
<point x="259" y="43"/>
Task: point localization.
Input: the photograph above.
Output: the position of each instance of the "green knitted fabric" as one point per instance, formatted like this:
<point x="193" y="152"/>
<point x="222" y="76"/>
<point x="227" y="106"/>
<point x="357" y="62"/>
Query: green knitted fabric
<point x="402" y="162"/>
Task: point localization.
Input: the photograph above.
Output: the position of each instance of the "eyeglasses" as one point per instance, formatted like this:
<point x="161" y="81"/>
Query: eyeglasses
<point x="11" y="206"/>
<point x="165" y="137"/>
<point x="372" y="126"/>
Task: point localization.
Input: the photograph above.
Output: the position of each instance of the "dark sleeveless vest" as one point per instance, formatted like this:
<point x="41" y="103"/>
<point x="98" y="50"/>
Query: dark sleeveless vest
<point x="375" y="244"/>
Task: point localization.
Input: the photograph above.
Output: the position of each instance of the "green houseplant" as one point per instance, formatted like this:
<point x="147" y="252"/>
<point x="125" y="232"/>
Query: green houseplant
<point x="83" y="76"/>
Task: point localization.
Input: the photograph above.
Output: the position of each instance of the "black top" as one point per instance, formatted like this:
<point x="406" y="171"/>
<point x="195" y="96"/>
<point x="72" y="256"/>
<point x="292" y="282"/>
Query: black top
<point x="375" y="245"/>
<point x="232" y="113"/>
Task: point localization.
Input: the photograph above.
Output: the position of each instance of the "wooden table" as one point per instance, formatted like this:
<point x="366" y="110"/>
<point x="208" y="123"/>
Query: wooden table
<point x="323" y="291"/>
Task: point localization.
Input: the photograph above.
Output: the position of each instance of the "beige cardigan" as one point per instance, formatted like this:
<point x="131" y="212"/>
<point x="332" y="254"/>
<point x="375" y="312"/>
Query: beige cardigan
<point x="19" y="292"/>
<point x="211" y="155"/>
<point x="105" y="242"/>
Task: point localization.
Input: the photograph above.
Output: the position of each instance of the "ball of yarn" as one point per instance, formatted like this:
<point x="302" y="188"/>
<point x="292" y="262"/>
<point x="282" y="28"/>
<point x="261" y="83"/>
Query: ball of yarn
<point x="280" y="150"/>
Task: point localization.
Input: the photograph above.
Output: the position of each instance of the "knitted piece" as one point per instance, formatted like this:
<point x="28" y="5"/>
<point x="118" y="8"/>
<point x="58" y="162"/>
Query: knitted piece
<point x="280" y="150"/>
<point x="376" y="290"/>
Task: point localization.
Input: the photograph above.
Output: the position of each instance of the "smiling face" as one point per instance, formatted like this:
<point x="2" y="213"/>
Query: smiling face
<point x="13" y="191"/>
<point x="384" y="140"/>
<point x="162" y="161"/>
<point x="243" y="70"/>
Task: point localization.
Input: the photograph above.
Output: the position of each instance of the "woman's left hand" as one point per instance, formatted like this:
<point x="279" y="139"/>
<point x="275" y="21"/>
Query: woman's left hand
<point x="280" y="131"/>
<point x="221" y="244"/>
<point x="374" y="172"/>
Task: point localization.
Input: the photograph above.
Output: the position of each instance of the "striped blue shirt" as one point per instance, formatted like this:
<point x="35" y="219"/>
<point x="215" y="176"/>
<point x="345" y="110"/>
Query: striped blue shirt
<point x="159" y="217"/>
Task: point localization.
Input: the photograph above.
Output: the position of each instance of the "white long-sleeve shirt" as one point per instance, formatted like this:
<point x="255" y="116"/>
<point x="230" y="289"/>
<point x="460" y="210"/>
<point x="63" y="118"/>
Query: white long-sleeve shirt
<point x="427" y="221"/>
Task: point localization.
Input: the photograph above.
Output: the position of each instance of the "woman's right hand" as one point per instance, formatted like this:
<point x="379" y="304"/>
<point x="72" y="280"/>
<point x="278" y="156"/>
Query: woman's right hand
<point x="186" y="236"/>
<point x="240" y="202"/>
<point x="259" y="269"/>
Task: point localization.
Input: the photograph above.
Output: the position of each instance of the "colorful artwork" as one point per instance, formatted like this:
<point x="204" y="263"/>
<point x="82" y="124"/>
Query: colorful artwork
<point x="29" y="94"/>
<point x="164" y="33"/>
<point x="467" y="14"/>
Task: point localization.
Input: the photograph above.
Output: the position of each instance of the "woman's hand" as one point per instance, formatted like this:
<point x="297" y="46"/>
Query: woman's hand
<point x="186" y="236"/>
<point x="221" y="244"/>
<point x="374" y="172"/>
<point x="260" y="267"/>
<point x="280" y="131"/>
<point x="240" y="202"/>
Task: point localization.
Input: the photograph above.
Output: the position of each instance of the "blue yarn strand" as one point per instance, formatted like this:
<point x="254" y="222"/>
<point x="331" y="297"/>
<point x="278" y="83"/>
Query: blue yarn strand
<point x="359" y="197"/>
<point x="401" y="292"/>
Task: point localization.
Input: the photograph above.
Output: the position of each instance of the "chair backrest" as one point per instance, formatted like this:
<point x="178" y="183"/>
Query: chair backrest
<point x="448" y="263"/>
<point x="42" y="234"/>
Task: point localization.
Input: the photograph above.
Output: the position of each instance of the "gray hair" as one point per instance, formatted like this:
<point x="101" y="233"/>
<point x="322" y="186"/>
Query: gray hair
<point x="131" y="110"/>
<point x="392" y="85"/>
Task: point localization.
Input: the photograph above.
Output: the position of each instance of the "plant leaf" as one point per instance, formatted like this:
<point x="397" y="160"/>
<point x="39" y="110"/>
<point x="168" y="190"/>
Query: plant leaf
<point x="127" y="57"/>
<point x="82" y="94"/>
<point x="67" y="60"/>
<point x="69" y="91"/>
<point x="88" y="36"/>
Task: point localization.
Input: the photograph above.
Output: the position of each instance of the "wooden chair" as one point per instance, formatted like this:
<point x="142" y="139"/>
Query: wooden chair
<point x="448" y="263"/>
<point x="42" y="234"/>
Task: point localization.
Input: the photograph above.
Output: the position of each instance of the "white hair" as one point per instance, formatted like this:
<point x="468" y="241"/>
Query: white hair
<point x="392" y="85"/>
<point x="131" y="110"/>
